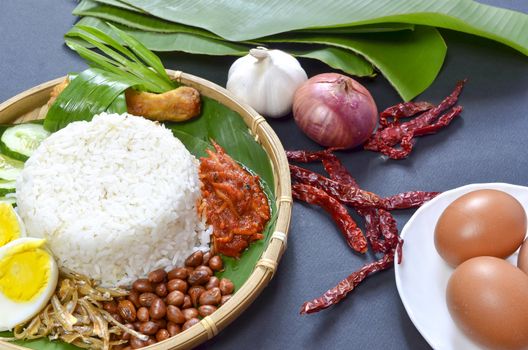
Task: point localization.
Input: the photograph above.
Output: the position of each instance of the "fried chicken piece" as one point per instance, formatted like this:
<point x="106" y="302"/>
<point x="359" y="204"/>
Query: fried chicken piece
<point x="175" y="105"/>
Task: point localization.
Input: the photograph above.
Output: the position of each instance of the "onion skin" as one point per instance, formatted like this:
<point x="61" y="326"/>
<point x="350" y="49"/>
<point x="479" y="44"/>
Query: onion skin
<point x="335" y="110"/>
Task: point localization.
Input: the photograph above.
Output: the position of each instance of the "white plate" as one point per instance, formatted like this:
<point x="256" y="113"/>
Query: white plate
<point x="422" y="276"/>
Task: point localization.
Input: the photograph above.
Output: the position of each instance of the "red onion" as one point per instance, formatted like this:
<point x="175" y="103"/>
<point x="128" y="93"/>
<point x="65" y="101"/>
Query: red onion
<point x="335" y="110"/>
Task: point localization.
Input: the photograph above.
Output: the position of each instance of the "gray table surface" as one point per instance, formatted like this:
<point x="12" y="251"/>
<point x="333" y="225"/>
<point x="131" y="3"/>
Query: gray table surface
<point x="488" y="144"/>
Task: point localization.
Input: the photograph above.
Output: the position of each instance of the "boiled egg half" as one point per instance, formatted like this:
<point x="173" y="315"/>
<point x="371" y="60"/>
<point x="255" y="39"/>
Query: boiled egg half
<point x="28" y="277"/>
<point x="11" y="227"/>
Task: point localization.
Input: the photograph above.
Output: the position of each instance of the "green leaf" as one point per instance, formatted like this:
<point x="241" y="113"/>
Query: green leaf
<point x="338" y="58"/>
<point x="133" y="19"/>
<point x="136" y="20"/>
<point x="184" y="42"/>
<point x="410" y="60"/>
<point x="119" y="4"/>
<point x="41" y="344"/>
<point x="366" y="28"/>
<point x="90" y="93"/>
<point x="246" y="20"/>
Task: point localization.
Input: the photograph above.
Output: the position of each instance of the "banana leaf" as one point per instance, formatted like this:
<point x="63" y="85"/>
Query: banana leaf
<point x="99" y="91"/>
<point x="342" y="59"/>
<point x="136" y="20"/>
<point x="142" y="21"/>
<point x="247" y="20"/>
<point x="338" y="58"/>
<point x="118" y="3"/>
<point x="410" y="60"/>
<point x="185" y="42"/>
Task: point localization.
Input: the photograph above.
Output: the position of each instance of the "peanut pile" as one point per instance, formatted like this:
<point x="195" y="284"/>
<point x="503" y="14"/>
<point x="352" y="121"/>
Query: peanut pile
<point x="167" y="303"/>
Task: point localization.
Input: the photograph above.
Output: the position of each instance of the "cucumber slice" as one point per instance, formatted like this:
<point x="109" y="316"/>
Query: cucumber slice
<point x="7" y="187"/>
<point x="10" y="200"/>
<point x="10" y="168"/>
<point x="20" y="141"/>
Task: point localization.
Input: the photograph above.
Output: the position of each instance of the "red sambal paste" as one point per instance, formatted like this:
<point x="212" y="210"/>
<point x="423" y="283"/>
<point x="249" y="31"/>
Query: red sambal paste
<point x="232" y="201"/>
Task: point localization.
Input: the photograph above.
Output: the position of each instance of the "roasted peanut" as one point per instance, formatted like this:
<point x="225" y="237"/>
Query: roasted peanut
<point x="151" y="340"/>
<point x="206" y="269"/>
<point x="127" y="310"/>
<point x="179" y="272"/>
<point x="161" y="290"/>
<point x="134" y="298"/>
<point x="190" y="323"/>
<point x="148" y="328"/>
<point x="162" y="323"/>
<point x="142" y="314"/>
<point x="226" y="286"/>
<point x="206" y="310"/>
<point x="137" y="343"/>
<point x="143" y="285"/>
<point x="157" y="276"/>
<point x="118" y="317"/>
<point x="177" y="284"/>
<point x="125" y="335"/>
<point x="146" y="299"/>
<point x="187" y="303"/>
<point x="158" y="309"/>
<point x="110" y="306"/>
<point x="173" y="328"/>
<point x="216" y="263"/>
<point x="162" y="334"/>
<point x="198" y="277"/>
<point x="213" y="282"/>
<point x="194" y="293"/>
<point x="225" y="298"/>
<point x="174" y="314"/>
<point x="206" y="258"/>
<point x="195" y="259"/>
<point x="211" y="297"/>
<point x="175" y="298"/>
<point x="190" y="313"/>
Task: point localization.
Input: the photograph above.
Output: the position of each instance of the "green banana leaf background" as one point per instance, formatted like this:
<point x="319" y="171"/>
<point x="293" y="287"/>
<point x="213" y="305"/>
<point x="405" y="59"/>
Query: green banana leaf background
<point x="357" y="37"/>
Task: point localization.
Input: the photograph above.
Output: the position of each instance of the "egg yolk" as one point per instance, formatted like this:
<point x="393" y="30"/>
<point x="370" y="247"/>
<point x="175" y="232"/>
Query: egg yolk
<point x="24" y="274"/>
<point x="9" y="228"/>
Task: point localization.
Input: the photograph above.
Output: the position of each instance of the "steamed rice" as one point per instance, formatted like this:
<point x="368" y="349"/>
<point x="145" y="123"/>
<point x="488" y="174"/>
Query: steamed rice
<point x="115" y="198"/>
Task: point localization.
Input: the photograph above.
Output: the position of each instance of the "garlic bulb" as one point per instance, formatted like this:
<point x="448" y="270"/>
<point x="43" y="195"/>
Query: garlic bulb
<point x="266" y="80"/>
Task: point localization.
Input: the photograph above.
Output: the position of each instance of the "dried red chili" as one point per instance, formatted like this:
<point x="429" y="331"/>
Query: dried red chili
<point x="352" y="233"/>
<point x="410" y="199"/>
<point x="336" y="294"/>
<point x="390" y="134"/>
<point x="347" y="194"/>
<point x="389" y="229"/>
<point x="402" y="110"/>
<point x="380" y="226"/>
<point x="337" y="171"/>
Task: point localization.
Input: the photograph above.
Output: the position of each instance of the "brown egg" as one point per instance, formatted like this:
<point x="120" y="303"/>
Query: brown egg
<point x="487" y="298"/>
<point x="482" y="222"/>
<point x="522" y="259"/>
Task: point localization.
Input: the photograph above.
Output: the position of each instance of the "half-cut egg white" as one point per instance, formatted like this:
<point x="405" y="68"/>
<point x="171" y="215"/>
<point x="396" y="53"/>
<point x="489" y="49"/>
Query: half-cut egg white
<point x="28" y="277"/>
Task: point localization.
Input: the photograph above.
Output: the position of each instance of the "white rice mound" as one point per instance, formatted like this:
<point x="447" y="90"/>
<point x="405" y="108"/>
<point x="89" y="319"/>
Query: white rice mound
<point x="115" y="198"/>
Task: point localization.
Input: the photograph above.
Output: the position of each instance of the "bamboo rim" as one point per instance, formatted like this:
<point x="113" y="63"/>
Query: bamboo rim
<point x="28" y="104"/>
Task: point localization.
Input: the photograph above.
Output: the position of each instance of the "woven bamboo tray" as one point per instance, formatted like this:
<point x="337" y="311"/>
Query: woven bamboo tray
<point x="27" y="106"/>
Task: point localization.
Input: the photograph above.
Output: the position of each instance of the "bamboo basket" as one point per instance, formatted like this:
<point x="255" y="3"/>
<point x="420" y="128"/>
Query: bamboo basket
<point x="27" y="106"/>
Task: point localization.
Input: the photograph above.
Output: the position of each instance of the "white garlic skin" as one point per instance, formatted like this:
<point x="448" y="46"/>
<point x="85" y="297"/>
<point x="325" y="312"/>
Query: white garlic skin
<point x="266" y="80"/>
